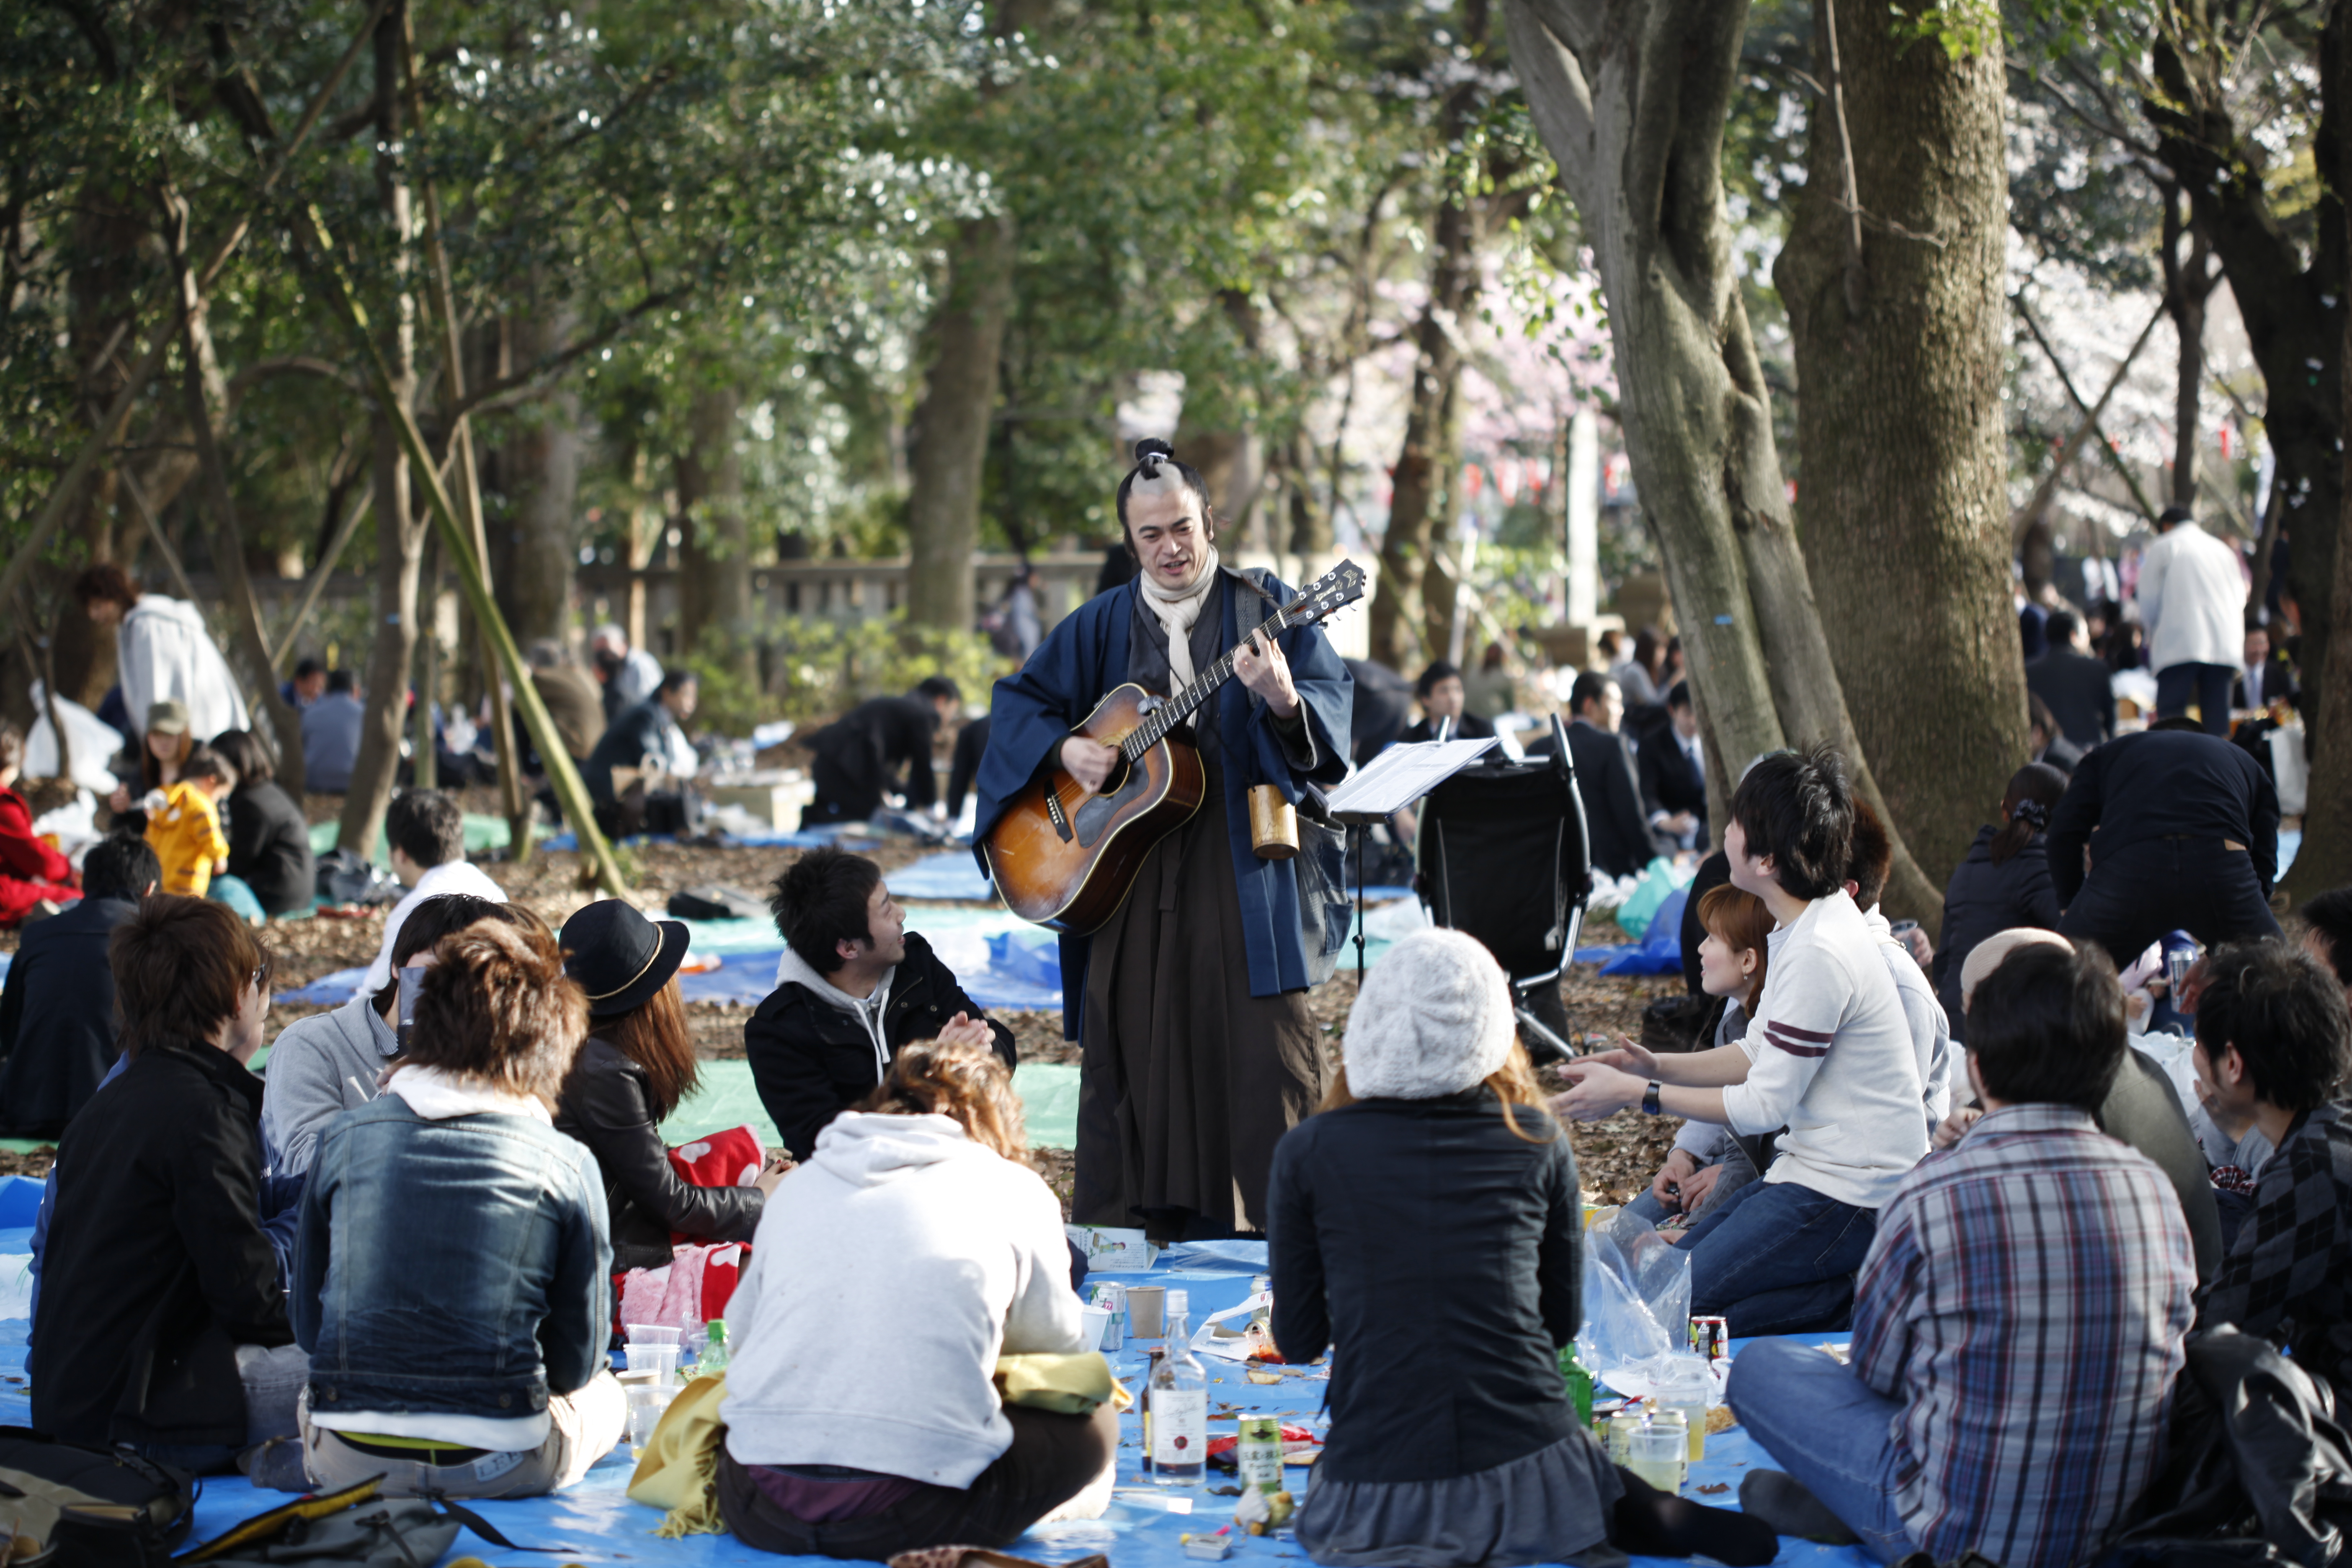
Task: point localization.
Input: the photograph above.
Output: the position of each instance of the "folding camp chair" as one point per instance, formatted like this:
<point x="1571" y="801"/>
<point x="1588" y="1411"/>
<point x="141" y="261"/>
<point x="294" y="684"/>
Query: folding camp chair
<point x="1505" y="856"/>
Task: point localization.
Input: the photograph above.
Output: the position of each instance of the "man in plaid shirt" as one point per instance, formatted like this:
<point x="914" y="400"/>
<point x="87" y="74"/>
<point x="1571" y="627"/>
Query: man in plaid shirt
<point x="2018" y="1324"/>
<point x="2274" y="1044"/>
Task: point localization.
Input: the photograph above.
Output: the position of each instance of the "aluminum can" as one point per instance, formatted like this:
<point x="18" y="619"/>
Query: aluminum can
<point x="1112" y="1297"/>
<point x="1710" y="1337"/>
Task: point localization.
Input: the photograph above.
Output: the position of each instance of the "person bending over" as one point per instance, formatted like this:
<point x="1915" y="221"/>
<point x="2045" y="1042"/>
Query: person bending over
<point x="638" y="1065"/>
<point x="2274" y="1044"/>
<point x="2011" y="1378"/>
<point x="427" y="833"/>
<point x="2003" y="881"/>
<point x="1708" y="1162"/>
<point x="1432" y="1188"/>
<point x="454" y="1286"/>
<point x="56" y="1016"/>
<point x="328" y="1063"/>
<point x="162" y="1322"/>
<point x="1836" y="1065"/>
<point x="855" y="986"/>
<point x="918" y="1226"/>
<point x="857" y="758"/>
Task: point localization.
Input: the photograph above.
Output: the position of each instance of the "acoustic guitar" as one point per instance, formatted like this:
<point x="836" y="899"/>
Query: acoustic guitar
<point x="1064" y="857"/>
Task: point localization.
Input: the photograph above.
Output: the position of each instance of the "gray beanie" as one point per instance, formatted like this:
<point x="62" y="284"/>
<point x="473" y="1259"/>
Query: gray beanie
<point x="1434" y="1019"/>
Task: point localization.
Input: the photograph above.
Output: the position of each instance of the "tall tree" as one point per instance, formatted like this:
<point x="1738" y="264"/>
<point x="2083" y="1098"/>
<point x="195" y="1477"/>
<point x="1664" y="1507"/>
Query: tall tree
<point x="950" y="425"/>
<point x="1631" y="101"/>
<point x="714" y="576"/>
<point x="1892" y="278"/>
<point x="541" y="466"/>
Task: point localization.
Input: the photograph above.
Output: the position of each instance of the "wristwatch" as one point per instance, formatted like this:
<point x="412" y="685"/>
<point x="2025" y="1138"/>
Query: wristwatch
<point x="1650" y="1098"/>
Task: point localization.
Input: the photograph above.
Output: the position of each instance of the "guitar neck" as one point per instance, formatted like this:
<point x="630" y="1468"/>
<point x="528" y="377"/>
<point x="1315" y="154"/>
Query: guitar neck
<point x="1181" y="706"/>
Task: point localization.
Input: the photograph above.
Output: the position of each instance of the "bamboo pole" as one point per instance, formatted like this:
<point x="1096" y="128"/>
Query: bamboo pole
<point x="571" y="793"/>
<point x="317" y="584"/>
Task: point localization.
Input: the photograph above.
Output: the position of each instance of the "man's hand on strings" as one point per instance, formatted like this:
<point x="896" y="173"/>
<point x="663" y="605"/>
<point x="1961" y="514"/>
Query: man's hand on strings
<point x="1262" y="670"/>
<point x="1089" y="761"/>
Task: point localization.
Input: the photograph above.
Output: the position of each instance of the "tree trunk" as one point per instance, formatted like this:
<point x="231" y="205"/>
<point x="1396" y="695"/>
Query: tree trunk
<point x="1410" y="616"/>
<point x="1631" y="102"/>
<point x="400" y="532"/>
<point x="2187" y="285"/>
<point x="714" y="579"/>
<point x="1900" y="323"/>
<point x="101" y="316"/>
<point x="951" y="423"/>
<point x="2292" y="310"/>
<point x="542" y="475"/>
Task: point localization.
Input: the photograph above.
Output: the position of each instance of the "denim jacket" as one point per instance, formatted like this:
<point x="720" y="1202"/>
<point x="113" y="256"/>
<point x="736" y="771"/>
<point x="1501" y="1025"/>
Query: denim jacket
<point x="456" y="1265"/>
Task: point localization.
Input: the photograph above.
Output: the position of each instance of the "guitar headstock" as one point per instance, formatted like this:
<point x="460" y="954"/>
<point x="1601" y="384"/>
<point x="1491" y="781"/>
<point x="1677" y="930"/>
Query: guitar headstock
<point x="1327" y="594"/>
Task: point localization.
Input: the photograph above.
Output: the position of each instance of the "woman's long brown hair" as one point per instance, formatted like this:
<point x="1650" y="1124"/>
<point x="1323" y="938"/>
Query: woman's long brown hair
<point x="1514" y="1083"/>
<point x="655" y="1038"/>
<point x="154" y="770"/>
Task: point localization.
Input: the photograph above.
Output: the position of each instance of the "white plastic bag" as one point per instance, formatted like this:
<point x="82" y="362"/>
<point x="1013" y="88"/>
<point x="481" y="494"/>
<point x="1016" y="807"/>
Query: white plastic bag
<point x="1637" y="1295"/>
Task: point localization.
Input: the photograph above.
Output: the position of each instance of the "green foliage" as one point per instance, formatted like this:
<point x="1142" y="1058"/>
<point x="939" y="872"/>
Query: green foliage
<point x="818" y="668"/>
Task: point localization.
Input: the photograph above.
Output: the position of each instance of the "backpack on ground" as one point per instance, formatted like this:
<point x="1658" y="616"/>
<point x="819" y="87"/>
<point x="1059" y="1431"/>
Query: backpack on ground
<point x="89" y="1506"/>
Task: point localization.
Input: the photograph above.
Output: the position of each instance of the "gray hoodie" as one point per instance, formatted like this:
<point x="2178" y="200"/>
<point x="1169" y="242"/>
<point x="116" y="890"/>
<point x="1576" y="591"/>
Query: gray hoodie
<point x="794" y="970"/>
<point x="320" y="1067"/>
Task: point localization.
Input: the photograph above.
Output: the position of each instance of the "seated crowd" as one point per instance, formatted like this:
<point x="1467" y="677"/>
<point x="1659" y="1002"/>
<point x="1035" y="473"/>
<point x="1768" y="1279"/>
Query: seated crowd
<point x="399" y="1254"/>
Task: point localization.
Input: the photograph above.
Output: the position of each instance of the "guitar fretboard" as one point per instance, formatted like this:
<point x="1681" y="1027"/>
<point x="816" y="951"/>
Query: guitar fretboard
<point x="1181" y="707"/>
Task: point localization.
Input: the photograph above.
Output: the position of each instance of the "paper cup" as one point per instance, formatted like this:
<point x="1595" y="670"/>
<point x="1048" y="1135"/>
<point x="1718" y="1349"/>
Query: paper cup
<point x="1147" y="1311"/>
<point x="1096" y="1318"/>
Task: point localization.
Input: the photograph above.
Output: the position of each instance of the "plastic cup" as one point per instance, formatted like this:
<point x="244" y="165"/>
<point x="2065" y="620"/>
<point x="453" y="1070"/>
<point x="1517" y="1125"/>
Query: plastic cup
<point x="660" y="1360"/>
<point x="652" y="1334"/>
<point x="1658" y="1457"/>
<point x="647" y="1403"/>
<point x="1096" y="1318"/>
<point x="1685" y="1386"/>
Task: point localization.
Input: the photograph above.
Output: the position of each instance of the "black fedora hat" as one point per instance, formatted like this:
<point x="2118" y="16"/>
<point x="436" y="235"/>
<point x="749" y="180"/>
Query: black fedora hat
<point x="619" y="957"/>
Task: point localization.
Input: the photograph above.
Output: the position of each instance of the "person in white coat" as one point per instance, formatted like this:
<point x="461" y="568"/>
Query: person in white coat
<point x="886" y="1277"/>
<point x="2192" y="600"/>
<point x="162" y="652"/>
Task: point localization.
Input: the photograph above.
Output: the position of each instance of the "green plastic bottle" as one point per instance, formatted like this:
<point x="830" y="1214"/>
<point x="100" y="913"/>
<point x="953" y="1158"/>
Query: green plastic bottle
<point x="1580" y="1385"/>
<point x="713" y="1356"/>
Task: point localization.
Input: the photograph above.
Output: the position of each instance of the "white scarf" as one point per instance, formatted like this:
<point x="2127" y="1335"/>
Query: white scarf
<point x="1178" y="609"/>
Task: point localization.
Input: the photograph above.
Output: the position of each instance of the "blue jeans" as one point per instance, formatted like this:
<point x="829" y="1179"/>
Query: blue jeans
<point x="1778" y="1259"/>
<point x="1828" y="1429"/>
<point x="2207" y="685"/>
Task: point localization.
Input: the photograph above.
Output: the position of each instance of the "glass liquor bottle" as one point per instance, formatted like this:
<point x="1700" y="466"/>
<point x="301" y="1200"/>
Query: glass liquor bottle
<point x="1179" y="1405"/>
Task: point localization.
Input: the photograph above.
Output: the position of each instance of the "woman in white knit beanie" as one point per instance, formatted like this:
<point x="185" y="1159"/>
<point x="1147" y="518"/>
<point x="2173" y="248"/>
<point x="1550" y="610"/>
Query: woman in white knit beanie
<point x="1426" y="1228"/>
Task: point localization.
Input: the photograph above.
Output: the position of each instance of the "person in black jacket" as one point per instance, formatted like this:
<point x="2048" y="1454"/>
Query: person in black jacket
<point x="972" y="744"/>
<point x="268" y="841"/>
<point x="855" y="987"/>
<point x="2182" y="833"/>
<point x="2076" y="685"/>
<point x="1622" y="845"/>
<point x="1439" y="691"/>
<point x="858" y="756"/>
<point x="1673" y="769"/>
<point x="1434" y="1145"/>
<point x="2003" y="882"/>
<point x="56" y="1016"/>
<point x="640" y="730"/>
<point x="161" y="1321"/>
<point x="635" y="1067"/>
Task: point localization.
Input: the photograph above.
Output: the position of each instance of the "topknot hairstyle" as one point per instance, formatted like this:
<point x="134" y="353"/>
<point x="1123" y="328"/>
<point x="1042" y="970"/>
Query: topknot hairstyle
<point x="1156" y="463"/>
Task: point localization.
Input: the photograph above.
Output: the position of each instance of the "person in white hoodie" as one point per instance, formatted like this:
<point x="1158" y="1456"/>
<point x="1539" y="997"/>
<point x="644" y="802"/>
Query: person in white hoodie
<point x="1836" y="1067"/>
<point x="2192" y="599"/>
<point x="162" y="652"/>
<point x="887" y="1278"/>
<point x="427" y="831"/>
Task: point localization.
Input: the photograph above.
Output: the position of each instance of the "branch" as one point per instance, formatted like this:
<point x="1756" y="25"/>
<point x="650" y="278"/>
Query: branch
<point x="293" y="365"/>
<point x="513" y="388"/>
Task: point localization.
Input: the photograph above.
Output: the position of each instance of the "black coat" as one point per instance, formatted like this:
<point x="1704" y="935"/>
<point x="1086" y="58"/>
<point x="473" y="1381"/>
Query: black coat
<point x="58" y="1026"/>
<point x="867" y="747"/>
<point x="1468" y="727"/>
<point x="2279" y="684"/>
<point x="638" y="731"/>
<point x="2081" y="695"/>
<point x="1622" y="845"/>
<point x="971" y="745"/>
<point x="157" y="1268"/>
<point x="2160" y="783"/>
<point x="607" y="1104"/>
<point x="269" y="846"/>
<point x="1983" y="898"/>
<point x="1442" y="1258"/>
<point x="811" y="1061"/>
<point x="1671" y="782"/>
<point x="2062" y="754"/>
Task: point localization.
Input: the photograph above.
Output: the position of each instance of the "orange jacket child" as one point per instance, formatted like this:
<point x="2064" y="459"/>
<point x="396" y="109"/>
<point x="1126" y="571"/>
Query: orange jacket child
<point x="183" y="829"/>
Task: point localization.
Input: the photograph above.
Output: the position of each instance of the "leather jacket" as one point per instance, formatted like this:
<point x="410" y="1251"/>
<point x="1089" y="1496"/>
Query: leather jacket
<point x="607" y="1104"/>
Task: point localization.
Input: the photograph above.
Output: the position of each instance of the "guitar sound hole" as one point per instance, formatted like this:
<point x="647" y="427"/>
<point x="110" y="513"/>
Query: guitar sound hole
<point x="1121" y="772"/>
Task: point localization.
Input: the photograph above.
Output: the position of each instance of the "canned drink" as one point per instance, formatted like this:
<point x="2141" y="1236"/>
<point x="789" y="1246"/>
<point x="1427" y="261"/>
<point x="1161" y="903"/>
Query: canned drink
<point x="1622" y="1427"/>
<point x="1112" y="1297"/>
<point x="1259" y="1453"/>
<point x="1711" y="1337"/>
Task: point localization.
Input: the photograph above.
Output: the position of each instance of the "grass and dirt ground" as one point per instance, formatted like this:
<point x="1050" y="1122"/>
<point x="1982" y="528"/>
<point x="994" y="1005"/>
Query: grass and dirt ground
<point x="1615" y="1158"/>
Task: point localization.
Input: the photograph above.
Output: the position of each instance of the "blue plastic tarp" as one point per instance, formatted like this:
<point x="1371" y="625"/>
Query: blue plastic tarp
<point x="950" y="874"/>
<point x="595" y="1524"/>
<point x="1660" y="952"/>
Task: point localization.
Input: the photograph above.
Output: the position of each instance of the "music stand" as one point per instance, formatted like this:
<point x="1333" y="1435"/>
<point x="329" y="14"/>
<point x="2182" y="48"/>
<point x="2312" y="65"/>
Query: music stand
<point x="1386" y="785"/>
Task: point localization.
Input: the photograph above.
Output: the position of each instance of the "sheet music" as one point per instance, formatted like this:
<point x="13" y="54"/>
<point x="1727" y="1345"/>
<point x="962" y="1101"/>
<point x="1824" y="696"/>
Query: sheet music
<point x="1403" y="774"/>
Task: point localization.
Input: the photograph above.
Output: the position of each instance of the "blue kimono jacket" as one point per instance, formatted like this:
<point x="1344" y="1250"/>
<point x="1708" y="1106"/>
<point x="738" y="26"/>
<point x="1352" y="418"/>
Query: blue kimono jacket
<point x="1082" y="660"/>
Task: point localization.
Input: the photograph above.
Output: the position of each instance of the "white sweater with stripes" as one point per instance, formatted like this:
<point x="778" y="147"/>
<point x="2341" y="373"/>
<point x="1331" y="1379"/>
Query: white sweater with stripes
<point x="1835" y="1062"/>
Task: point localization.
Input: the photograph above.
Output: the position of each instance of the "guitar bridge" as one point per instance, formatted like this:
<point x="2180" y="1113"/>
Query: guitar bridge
<point x="1060" y="820"/>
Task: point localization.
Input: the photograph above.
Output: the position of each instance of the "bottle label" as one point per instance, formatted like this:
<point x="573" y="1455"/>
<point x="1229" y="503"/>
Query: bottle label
<point x="1179" y="1426"/>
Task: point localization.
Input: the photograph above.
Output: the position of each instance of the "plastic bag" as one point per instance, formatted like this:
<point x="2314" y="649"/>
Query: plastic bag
<point x="1658" y="878"/>
<point x="1637" y="1293"/>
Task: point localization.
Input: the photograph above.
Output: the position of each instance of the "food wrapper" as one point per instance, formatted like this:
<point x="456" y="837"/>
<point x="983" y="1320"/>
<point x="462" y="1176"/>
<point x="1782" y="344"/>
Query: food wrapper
<point x="1113" y="1250"/>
